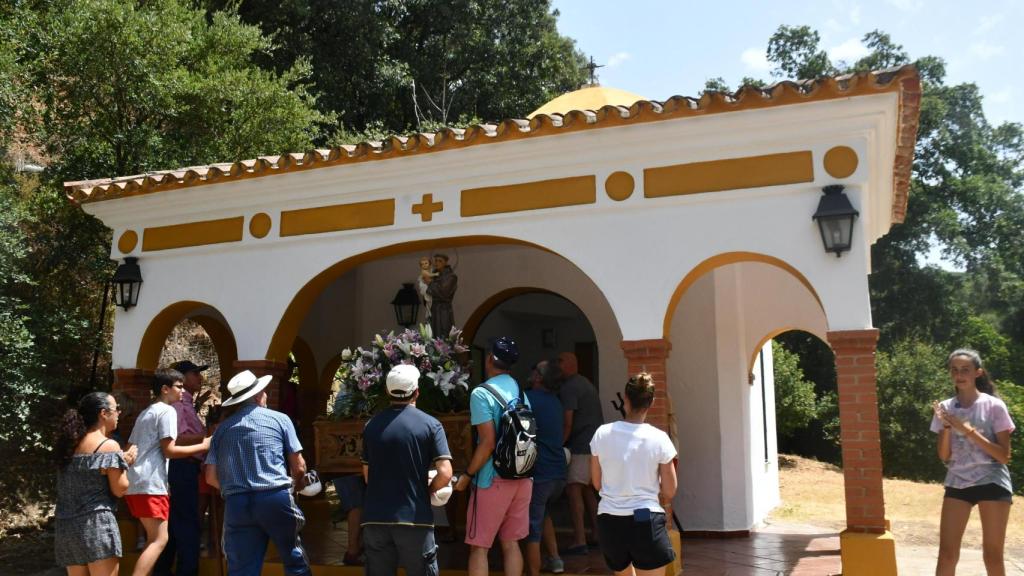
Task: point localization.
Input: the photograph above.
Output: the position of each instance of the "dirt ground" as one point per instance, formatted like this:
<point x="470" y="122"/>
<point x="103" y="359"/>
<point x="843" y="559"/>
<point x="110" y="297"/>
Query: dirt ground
<point x="812" y="493"/>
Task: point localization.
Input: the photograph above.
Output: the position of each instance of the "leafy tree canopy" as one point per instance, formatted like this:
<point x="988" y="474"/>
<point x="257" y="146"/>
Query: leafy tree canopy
<point x="396" y="65"/>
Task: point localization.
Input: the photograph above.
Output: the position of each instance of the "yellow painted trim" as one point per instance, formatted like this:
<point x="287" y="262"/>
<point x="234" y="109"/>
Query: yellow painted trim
<point x="841" y="162"/>
<point x="619" y="186"/>
<point x="724" y="260"/>
<point x="192" y="234"/>
<point x="128" y="241"/>
<point x="259" y="225"/>
<point x="730" y="174"/>
<point x="427" y="207"/>
<point x="295" y="314"/>
<point x="539" y="195"/>
<point x="338" y="217"/>
<point x="152" y="343"/>
<point x="867" y="554"/>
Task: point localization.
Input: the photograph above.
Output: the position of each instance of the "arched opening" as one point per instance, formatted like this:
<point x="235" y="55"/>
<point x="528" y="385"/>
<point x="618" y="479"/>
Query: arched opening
<point x="721" y="320"/>
<point x="207" y="319"/>
<point x="543" y="324"/>
<point x="354" y="303"/>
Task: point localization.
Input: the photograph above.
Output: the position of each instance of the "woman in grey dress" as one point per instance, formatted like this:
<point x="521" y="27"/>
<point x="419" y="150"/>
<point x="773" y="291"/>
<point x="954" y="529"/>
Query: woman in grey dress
<point x="90" y="478"/>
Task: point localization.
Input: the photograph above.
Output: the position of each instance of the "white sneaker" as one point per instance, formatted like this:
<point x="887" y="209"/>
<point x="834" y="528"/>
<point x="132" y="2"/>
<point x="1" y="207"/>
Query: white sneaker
<point x="553" y="565"/>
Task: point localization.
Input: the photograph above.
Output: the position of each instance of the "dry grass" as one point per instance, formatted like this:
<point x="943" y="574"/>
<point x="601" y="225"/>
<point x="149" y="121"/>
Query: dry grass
<point x="812" y="493"/>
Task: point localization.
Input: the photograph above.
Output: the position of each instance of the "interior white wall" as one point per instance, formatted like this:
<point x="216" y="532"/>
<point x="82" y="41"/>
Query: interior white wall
<point x="358" y="304"/>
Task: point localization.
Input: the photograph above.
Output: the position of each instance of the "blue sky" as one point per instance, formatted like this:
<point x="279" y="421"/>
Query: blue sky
<point x="661" y="48"/>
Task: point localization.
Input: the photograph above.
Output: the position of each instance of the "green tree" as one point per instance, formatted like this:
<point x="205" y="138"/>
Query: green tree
<point x="405" y="65"/>
<point x="172" y="87"/>
<point x="795" y="401"/>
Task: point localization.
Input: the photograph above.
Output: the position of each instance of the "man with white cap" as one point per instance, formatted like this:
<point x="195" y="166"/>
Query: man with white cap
<point x="256" y="460"/>
<point x="401" y="446"/>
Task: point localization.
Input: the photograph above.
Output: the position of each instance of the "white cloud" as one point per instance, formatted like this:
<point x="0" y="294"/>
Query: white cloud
<point x="986" y="51"/>
<point x="855" y="14"/>
<point x="756" y="59"/>
<point x="617" y="59"/>
<point x="987" y="23"/>
<point x="907" y="5"/>
<point x="1001" y="97"/>
<point x="849" y="51"/>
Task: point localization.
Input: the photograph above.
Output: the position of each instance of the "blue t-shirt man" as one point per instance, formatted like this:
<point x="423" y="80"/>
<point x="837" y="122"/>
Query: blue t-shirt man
<point x="483" y="406"/>
<point x="400" y="446"/>
<point x="547" y="411"/>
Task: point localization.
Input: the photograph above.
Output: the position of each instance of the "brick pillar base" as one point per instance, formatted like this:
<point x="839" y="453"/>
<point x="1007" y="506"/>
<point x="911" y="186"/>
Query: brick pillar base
<point x="867" y="546"/>
<point x="136" y="386"/>
<point x="649" y="356"/>
<point x="279" y="370"/>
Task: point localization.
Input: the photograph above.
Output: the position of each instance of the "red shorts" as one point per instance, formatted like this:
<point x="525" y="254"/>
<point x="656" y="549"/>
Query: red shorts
<point x="502" y="510"/>
<point x="149" y="505"/>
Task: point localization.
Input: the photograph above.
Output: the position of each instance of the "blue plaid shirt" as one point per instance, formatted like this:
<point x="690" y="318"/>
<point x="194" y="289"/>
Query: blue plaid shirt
<point x="250" y="449"/>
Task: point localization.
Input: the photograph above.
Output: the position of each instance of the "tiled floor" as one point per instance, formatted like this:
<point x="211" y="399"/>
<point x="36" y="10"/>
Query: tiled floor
<point x="764" y="553"/>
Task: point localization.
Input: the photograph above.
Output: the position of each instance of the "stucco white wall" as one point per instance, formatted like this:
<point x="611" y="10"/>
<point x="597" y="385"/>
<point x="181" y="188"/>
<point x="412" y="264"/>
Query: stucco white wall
<point x="636" y="251"/>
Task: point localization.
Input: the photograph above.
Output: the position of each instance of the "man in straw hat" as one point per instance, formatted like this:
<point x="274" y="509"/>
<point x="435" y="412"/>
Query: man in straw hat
<point x="400" y="445"/>
<point x="255" y="459"/>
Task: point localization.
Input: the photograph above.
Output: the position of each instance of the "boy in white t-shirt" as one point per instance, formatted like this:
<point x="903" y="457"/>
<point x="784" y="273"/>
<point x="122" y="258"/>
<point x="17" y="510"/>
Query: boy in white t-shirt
<point x="155" y="431"/>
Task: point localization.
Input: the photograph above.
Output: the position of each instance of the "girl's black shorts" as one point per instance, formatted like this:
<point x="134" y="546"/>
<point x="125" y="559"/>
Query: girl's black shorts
<point x="982" y="493"/>
<point x="644" y="543"/>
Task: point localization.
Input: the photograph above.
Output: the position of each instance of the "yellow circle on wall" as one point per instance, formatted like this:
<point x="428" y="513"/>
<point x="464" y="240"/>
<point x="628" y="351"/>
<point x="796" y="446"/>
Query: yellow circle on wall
<point x="619" y="186"/>
<point x="128" y="241"/>
<point x="259" y="225"/>
<point x="840" y="161"/>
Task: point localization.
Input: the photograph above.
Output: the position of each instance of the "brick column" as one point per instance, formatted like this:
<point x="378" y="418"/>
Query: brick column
<point x="136" y="385"/>
<point x="649" y="356"/>
<point x="867" y="546"/>
<point x="262" y="368"/>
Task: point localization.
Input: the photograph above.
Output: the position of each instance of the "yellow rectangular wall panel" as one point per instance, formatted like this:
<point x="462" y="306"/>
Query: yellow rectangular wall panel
<point x="529" y="196"/>
<point x="192" y="234"/>
<point x="338" y="217"/>
<point x="730" y="174"/>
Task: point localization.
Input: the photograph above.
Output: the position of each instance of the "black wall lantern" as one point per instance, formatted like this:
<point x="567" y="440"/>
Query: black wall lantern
<point x="407" y="305"/>
<point x="127" y="282"/>
<point x="835" y="216"/>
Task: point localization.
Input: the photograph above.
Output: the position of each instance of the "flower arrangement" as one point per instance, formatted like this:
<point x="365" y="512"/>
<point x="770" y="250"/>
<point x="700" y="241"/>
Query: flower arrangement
<point x="359" y="384"/>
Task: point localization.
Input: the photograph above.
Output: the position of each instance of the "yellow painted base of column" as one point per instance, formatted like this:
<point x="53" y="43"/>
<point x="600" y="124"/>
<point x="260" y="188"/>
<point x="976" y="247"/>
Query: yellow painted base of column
<point x="868" y="554"/>
<point x="676" y="567"/>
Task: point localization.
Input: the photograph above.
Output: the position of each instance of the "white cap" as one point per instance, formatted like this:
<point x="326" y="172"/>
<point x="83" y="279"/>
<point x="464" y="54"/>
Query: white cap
<point x="403" y="380"/>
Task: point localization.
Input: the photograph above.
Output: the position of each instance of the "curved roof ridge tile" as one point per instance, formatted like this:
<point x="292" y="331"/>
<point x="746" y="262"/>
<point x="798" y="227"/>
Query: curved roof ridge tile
<point x="903" y="79"/>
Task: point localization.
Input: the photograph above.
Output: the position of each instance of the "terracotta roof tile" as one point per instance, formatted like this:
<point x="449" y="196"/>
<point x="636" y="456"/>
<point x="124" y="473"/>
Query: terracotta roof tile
<point x="904" y="80"/>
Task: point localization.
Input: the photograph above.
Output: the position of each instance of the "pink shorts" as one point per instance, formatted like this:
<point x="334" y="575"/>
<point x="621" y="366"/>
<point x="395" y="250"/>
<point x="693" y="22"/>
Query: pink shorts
<point x="501" y="510"/>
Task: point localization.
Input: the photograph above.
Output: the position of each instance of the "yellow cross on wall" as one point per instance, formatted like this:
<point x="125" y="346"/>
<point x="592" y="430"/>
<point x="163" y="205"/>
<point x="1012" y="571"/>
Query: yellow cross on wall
<point x="427" y="207"/>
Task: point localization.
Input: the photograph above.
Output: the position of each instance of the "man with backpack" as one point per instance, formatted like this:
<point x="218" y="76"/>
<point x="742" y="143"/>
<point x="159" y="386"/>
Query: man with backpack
<point x="502" y="464"/>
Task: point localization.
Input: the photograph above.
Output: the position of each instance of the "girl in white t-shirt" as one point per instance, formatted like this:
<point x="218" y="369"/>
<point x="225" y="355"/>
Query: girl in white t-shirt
<point x="974" y="430"/>
<point x="633" y="469"/>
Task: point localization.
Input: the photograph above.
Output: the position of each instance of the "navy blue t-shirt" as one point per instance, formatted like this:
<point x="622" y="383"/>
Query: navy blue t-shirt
<point x="547" y="410"/>
<point x="400" y="446"/>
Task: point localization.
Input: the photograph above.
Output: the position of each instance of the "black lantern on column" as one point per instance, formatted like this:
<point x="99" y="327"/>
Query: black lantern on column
<point x="407" y="305"/>
<point x="835" y="216"/>
<point x="127" y="282"/>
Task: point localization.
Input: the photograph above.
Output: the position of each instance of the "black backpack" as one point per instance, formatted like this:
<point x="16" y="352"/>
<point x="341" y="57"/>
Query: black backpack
<point x="515" y="448"/>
